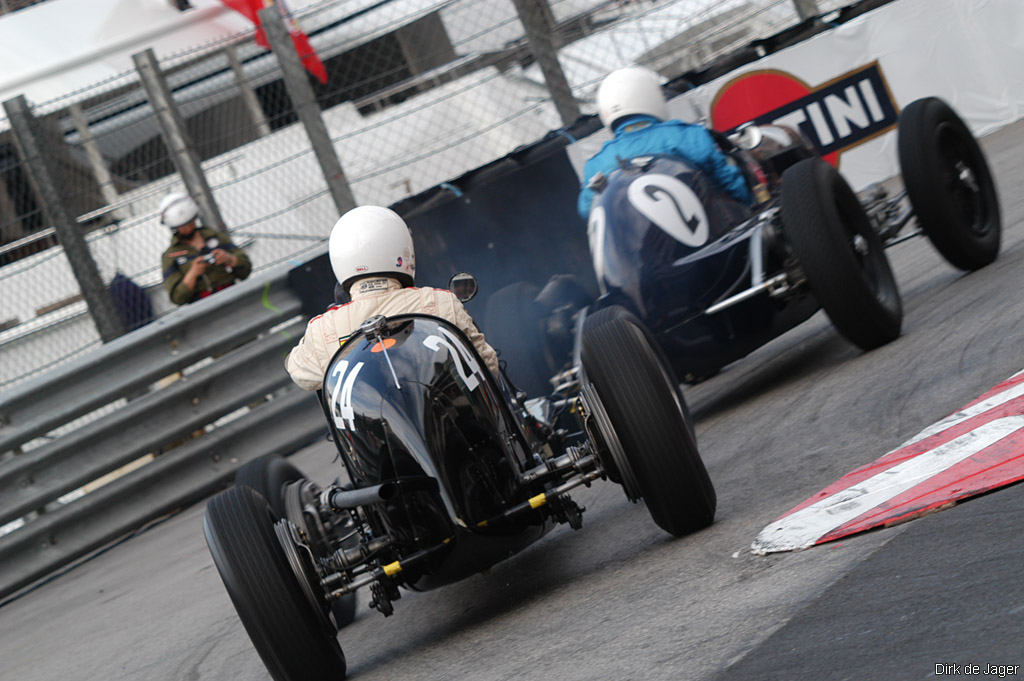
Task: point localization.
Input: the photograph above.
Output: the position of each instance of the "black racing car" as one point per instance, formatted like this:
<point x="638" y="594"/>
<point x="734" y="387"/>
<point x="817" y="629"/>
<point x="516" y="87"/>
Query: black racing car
<point x="714" y="279"/>
<point x="448" y="470"/>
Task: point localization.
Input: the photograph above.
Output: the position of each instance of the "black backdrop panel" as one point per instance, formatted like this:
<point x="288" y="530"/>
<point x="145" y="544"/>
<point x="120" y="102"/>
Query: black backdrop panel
<point x="513" y="222"/>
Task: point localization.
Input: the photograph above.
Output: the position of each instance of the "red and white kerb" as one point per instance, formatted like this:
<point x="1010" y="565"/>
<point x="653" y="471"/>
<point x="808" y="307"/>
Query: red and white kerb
<point x="975" y="450"/>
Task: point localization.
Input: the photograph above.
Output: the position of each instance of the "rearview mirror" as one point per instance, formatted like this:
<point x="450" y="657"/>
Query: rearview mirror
<point x="463" y="285"/>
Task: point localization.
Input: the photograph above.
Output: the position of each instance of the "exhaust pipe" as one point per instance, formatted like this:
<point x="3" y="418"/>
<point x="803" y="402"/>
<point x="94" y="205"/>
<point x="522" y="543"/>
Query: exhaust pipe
<point x="338" y="499"/>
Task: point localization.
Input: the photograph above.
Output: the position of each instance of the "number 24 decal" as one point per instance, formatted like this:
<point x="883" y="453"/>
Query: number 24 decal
<point x="341" y="396"/>
<point x="457" y="349"/>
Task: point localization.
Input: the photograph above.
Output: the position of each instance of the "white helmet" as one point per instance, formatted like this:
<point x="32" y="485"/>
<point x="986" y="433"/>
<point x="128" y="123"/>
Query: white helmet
<point x="371" y="240"/>
<point x="628" y="91"/>
<point x="177" y="210"/>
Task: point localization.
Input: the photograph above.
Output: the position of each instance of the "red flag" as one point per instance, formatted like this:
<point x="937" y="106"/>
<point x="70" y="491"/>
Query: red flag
<point x="250" y="10"/>
<point x="308" y="55"/>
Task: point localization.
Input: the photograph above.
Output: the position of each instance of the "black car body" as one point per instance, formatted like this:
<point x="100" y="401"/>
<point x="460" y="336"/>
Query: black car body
<point x="432" y="413"/>
<point x="445" y="470"/>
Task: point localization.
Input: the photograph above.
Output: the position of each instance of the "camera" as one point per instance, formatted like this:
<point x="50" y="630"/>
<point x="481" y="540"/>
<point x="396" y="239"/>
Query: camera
<point x="208" y="258"/>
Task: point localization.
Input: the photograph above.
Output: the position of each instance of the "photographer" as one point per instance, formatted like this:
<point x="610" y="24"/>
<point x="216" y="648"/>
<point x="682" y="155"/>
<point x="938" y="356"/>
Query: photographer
<point x="200" y="261"/>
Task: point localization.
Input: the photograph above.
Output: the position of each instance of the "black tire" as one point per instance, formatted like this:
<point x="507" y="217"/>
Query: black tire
<point x="564" y="290"/>
<point x="841" y="254"/>
<point x="268" y="475"/>
<point x="644" y="406"/>
<point x="514" y="326"/>
<point x="949" y="184"/>
<point x="560" y="301"/>
<point x="294" y="641"/>
<point x="599" y="317"/>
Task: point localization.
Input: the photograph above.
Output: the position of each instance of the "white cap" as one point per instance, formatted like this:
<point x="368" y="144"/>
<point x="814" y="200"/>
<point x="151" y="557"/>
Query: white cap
<point x="629" y="91"/>
<point x="371" y="240"/>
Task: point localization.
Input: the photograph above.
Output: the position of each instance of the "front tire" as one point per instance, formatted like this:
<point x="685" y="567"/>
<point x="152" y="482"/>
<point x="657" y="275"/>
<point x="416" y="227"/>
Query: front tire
<point x="949" y="184"/>
<point x="641" y="398"/>
<point x="294" y="641"/>
<point x="841" y="254"/>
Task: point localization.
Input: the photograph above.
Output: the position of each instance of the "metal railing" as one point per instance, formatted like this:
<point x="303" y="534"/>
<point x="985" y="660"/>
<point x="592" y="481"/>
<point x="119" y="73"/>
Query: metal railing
<point x="191" y="396"/>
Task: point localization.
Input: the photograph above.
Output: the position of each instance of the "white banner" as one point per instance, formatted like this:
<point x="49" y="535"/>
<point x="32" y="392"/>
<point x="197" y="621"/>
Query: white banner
<point x="968" y="52"/>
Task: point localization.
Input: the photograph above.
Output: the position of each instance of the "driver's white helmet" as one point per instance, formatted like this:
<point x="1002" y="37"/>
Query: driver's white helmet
<point x="629" y="91"/>
<point x="177" y="210"/>
<point x="371" y="240"/>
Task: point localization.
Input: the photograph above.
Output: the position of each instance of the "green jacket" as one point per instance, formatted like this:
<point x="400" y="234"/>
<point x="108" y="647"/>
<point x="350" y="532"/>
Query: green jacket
<point x="179" y="256"/>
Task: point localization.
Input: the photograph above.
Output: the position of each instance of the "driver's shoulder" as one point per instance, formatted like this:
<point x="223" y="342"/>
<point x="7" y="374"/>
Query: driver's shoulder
<point x="423" y="290"/>
<point x="675" y="129"/>
<point x="328" y="315"/>
<point x="428" y="293"/>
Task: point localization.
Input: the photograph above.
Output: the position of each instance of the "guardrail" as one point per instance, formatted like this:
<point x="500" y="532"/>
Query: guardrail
<point x="225" y="351"/>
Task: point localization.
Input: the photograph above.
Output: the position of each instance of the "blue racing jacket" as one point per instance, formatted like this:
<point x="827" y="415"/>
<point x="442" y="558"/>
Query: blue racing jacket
<point x="645" y="136"/>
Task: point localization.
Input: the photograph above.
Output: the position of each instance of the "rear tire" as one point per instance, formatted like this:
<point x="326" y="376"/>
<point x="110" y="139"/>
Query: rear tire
<point x="645" y="408"/>
<point x="268" y="475"/>
<point x="949" y="184"/>
<point x="294" y="641"/>
<point x="841" y="254"/>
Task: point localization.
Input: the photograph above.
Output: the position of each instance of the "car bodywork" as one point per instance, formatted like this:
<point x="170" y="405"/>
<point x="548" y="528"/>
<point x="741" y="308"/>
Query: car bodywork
<point x="714" y="279"/>
<point x="677" y="250"/>
<point x="447" y="471"/>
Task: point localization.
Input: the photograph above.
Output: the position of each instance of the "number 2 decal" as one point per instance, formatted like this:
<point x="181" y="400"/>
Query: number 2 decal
<point x="457" y="349"/>
<point x="341" y="404"/>
<point x="595" y="236"/>
<point x="671" y="205"/>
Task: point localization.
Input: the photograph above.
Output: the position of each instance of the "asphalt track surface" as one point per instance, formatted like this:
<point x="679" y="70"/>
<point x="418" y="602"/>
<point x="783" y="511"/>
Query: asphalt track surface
<point x="620" y="599"/>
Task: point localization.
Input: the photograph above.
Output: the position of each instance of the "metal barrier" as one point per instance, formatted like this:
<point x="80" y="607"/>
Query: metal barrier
<point x="222" y="364"/>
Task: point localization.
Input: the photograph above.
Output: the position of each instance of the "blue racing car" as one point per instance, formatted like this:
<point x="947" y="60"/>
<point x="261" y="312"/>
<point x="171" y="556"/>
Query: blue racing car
<point x="713" y="279"/>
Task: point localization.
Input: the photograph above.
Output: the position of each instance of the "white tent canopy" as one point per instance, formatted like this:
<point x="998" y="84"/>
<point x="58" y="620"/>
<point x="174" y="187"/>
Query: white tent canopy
<point x="62" y="46"/>
<point x="53" y="48"/>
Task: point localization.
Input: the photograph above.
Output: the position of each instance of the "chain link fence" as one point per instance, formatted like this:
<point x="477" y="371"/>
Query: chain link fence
<point x="417" y="92"/>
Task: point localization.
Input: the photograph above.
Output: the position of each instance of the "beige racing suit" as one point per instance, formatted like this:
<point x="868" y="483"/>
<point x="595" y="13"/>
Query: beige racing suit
<point x="307" y="362"/>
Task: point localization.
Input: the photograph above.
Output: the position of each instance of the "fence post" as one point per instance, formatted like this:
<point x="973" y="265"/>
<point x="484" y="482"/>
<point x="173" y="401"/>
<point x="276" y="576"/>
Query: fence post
<point x="538" y="33"/>
<point x="92" y="152"/>
<point x="306" y="107"/>
<point x="42" y="176"/>
<point x="172" y="126"/>
<point x="248" y="96"/>
<point x="8" y="214"/>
